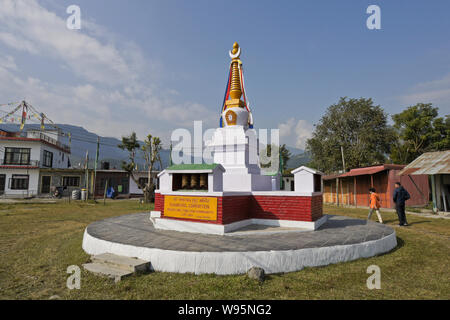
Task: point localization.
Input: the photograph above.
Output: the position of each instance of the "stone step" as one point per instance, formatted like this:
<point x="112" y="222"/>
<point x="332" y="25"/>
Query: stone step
<point x="107" y="271"/>
<point x="121" y="262"/>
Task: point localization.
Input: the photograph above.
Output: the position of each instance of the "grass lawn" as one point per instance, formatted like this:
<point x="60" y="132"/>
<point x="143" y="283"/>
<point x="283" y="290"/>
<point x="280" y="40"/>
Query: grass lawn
<point x="39" y="241"/>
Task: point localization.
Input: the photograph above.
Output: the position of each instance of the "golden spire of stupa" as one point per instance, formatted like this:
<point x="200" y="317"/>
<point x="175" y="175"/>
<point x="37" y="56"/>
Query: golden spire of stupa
<point x="236" y="91"/>
<point x="235" y="86"/>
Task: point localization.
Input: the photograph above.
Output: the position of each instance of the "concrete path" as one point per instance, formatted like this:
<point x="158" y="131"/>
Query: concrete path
<point x="137" y="230"/>
<point x="338" y="240"/>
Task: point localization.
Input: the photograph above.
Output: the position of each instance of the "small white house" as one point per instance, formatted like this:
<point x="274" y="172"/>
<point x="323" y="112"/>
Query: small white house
<point x="22" y="157"/>
<point x="307" y="180"/>
<point x="288" y="182"/>
<point x="142" y="177"/>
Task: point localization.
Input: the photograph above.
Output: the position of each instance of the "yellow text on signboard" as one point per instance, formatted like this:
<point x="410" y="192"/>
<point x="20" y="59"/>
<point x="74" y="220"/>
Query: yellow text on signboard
<point x="197" y="208"/>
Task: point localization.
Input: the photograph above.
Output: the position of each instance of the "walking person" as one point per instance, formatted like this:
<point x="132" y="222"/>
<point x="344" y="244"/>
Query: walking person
<point x="400" y="197"/>
<point x="374" y="204"/>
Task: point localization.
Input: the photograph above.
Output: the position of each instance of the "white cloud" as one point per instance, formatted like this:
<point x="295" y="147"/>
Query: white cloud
<point x="7" y="62"/>
<point x="436" y="92"/>
<point x="113" y="94"/>
<point x="32" y="28"/>
<point x="17" y="42"/>
<point x="295" y="132"/>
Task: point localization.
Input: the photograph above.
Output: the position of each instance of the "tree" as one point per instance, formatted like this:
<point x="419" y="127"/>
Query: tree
<point x="419" y="130"/>
<point x="441" y="139"/>
<point x="283" y="151"/>
<point x="151" y="150"/>
<point x="356" y="125"/>
<point x="285" y="156"/>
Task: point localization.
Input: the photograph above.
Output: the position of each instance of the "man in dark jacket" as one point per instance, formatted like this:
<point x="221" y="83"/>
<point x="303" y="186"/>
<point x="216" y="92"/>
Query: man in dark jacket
<point x="400" y="197"/>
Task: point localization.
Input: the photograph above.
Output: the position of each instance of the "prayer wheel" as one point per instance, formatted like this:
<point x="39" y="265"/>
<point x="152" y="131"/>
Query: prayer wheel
<point x="194" y="181"/>
<point x="185" y="181"/>
<point x="204" y="181"/>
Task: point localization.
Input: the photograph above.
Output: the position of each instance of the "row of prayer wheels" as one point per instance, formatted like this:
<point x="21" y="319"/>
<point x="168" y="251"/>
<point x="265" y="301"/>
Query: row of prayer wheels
<point x="194" y="181"/>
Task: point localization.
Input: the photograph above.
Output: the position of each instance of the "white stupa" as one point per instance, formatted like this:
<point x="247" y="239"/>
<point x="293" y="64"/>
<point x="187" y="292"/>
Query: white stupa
<point x="235" y="143"/>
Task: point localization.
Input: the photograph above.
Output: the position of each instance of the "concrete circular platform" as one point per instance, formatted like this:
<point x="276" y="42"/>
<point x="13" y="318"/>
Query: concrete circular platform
<point x="339" y="239"/>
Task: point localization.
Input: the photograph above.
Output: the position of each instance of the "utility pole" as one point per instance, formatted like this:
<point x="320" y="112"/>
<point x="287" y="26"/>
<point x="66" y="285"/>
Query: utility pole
<point x="95" y="165"/>
<point x="170" y="156"/>
<point x="86" y="167"/>
<point x="280" y="167"/>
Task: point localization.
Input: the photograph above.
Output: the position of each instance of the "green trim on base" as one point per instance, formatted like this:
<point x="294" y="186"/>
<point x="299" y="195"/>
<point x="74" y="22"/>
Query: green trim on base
<point x="193" y="166"/>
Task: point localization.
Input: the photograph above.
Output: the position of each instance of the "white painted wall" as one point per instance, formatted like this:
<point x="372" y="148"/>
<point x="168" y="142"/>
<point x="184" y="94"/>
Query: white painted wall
<point x="287" y="183"/>
<point x="165" y="181"/>
<point x="134" y="189"/>
<point x="215" y="180"/>
<point x="36" y="134"/>
<point x="59" y="157"/>
<point x="236" y="150"/>
<point x="35" y="146"/>
<point x="304" y="181"/>
<point x="33" y="182"/>
<point x="60" y="161"/>
<point x="37" y="152"/>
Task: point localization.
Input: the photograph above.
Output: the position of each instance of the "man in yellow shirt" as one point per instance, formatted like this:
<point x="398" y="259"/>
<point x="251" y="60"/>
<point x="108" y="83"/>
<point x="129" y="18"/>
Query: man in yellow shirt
<point x="374" y="204"/>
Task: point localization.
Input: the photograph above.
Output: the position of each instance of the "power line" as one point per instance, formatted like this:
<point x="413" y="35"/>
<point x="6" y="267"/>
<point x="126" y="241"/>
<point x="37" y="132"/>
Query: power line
<point x="40" y="118"/>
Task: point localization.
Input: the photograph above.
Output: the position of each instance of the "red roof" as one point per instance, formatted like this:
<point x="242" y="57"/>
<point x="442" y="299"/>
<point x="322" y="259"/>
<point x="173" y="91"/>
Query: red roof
<point x="365" y="171"/>
<point x="372" y="170"/>
<point x="331" y="176"/>
<point x="18" y="167"/>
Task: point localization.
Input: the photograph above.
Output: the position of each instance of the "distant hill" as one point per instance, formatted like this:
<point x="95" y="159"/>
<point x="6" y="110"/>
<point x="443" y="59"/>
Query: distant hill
<point x="295" y="151"/>
<point x="298" y="160"/>
<point x="83" y="140"/>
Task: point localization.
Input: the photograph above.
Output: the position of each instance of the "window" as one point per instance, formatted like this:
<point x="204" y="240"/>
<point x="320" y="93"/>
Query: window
<point x="48" y="159"/>
<point x="143" y="182"/>
<point x="125" y="183"/>
<point x="19" y="182"/>
<point x="17" y="156"/>
<point x="71" y="181"/>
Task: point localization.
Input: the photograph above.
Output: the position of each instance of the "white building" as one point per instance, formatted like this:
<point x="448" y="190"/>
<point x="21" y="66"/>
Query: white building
<point x="22" y="155"/>
<point x="288" y="182"/>
<point x="307" y="179"/>
<point x="142" y="177"/>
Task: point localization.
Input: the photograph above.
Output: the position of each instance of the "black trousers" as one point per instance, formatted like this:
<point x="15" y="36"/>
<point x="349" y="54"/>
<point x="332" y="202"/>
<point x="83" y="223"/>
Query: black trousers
<point x="400" y="208"/>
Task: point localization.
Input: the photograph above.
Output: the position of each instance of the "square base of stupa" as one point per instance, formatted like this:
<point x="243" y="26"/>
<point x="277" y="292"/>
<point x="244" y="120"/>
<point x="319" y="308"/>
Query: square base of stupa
<point x="224" y="212"/>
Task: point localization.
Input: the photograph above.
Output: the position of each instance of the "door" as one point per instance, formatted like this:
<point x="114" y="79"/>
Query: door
<point x="2" y="183"/>
<point x="45" y="188"/>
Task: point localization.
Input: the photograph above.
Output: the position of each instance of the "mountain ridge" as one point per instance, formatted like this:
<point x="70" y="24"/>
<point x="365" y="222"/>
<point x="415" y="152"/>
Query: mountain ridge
<point x="83" y="140"/>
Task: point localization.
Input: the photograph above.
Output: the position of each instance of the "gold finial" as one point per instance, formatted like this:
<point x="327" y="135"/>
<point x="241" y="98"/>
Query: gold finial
<point x="235" y="48"/>
<point x="235" y="92"/>
<point x="236" y="52"/>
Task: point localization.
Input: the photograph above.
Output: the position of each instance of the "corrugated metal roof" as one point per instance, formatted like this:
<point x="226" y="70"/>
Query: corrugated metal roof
<point x="371" y="170"/>
<point x="365" y="171"/>
<point x="330" y="176"/>
<point x="429" y="163"/>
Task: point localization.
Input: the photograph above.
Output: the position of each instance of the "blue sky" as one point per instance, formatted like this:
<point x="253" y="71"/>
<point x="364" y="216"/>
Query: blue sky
<point x="153" y="66"/>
